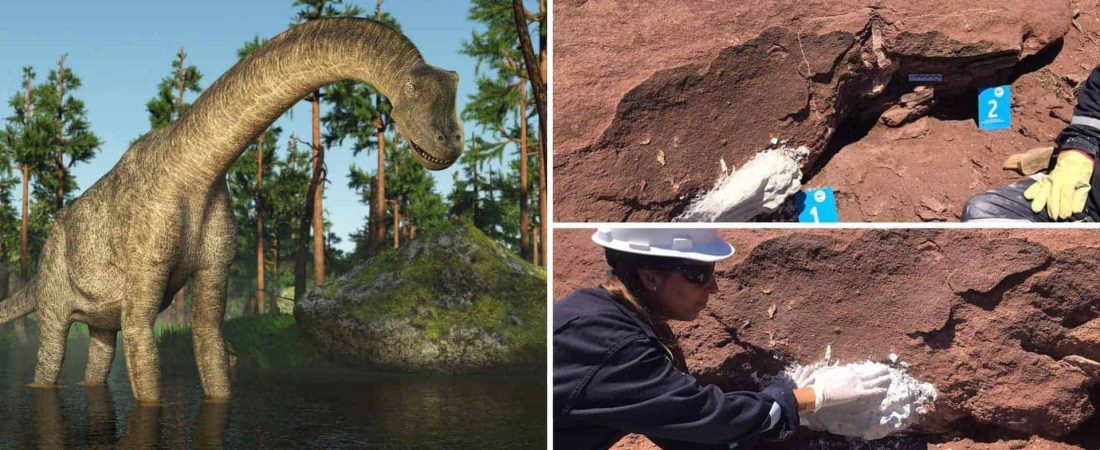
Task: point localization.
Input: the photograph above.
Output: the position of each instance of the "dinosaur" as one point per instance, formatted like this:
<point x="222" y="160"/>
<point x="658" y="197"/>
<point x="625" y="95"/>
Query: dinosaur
<point x="115" y="256"/>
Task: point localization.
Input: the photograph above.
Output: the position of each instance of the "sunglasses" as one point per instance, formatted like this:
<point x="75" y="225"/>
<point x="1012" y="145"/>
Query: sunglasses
<point x="699" y="274"/>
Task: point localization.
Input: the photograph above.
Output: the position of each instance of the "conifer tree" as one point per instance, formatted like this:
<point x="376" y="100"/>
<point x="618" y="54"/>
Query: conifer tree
<point x="502" y="99"/>
<point x="262" y="148"/>
<point x="169" y="103"/>
<point x="313" y="10"/>
<point x="73" y="142"/>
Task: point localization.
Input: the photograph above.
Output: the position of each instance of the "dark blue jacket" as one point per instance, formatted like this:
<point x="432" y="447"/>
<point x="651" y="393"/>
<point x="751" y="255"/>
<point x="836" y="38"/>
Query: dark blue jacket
<point x="1083" y="133"/>
<point x="611" y="377"/>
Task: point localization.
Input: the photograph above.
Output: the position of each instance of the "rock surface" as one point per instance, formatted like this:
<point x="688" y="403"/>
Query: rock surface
<point x="989" y="317"/>
<point x="646" y="104"/>
<point x="450" y="300"/>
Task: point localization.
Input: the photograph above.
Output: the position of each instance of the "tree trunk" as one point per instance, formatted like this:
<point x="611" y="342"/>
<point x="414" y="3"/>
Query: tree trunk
<point x="307" y="216"/>
<point x="182" y="55"/>
<point x="275" y="271"/>
<point x="318" y="194"/>
<point x="542" y="39"/>
<point x="260" y="223"/>
<point x="23" y="229"/>
<point x="59" y="159"/>
<point x="543" y="219"/>
<point x="380" y="180"/>
<point x="396" y="223"/>
<point x="524" y="226"/>
<point x="476" y="194"/>
<point x="372" y="224"/>
<point x="300" y="254"/>
<point x="28" y="110"/>
<point x="538" y="85"/>
<point x="535" y="248"/>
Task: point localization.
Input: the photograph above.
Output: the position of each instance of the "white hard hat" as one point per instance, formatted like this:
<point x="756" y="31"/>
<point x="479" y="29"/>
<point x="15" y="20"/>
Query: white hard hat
<point x="698" y="244"/>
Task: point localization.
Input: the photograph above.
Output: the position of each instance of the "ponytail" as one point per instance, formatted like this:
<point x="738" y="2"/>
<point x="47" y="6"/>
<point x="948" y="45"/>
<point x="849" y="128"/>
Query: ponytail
<point x="620" y="291"/>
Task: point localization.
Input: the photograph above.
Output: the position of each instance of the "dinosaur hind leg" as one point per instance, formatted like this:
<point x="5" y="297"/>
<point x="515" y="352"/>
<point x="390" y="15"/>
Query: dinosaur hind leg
<point x="51" y="350"/>
<point x="101" y="351"/>
<point x="207" y="312"/>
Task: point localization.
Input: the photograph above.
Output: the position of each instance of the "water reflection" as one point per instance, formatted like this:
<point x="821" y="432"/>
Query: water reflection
<point x="101" y="415"/>
<point x="142" y="429"/>
<point x="329" y="408"/>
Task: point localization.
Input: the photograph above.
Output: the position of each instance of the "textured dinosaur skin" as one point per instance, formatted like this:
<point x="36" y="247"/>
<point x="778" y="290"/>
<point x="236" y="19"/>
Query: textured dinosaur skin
<point x="115" y="256"/>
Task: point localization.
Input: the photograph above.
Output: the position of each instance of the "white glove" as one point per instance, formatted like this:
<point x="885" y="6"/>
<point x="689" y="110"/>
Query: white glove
<point x="842" y="384"/>
<point x="803" y="376"/>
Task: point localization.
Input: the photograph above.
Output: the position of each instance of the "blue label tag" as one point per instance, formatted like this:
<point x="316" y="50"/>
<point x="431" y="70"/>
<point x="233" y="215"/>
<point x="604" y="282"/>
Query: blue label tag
<point x="995" y="108"/>
<point x="925" y="78"/>
<point x="816" y="206"/>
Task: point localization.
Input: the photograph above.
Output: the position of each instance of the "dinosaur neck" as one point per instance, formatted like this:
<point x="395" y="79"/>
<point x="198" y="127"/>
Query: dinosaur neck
<point x="244" y="102"/>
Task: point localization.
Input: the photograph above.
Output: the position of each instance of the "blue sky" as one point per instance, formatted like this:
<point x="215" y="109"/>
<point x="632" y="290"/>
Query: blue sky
<point x="121" y="50"/>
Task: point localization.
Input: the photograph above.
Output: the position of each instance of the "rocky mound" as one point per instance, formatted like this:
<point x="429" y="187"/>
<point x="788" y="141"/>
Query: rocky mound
<point x="450" y="300"/>
<point x="1003" y="323"/>
<point x="668" y="98"/>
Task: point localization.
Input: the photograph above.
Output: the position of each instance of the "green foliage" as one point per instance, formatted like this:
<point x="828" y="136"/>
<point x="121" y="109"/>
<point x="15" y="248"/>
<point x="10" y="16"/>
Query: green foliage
<point x="266" y="341"/>
<point x="29" y="132"/>
<point x="30" y="136"/>
<point x="496" y="107"/>
<point x="285" y="202"/>
<point x="316" y="9"/>
<point x="169" y="102"/>
<point x="247" y="206"/>
<point x="74" y="141"/>
<point x="411" y="186"/>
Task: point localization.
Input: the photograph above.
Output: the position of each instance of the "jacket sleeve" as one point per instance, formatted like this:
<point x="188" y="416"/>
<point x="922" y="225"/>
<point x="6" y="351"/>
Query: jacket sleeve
<point x="1083" y="131"/>
<point x="637" y="389"/>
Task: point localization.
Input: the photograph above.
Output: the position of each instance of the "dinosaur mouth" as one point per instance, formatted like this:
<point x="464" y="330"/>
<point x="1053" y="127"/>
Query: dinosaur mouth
<point x="428" y="157"/>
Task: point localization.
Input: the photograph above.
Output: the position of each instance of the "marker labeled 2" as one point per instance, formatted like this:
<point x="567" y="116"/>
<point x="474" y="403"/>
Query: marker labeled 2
<point x="995" y="108"/>
<point x="817" y="206"/>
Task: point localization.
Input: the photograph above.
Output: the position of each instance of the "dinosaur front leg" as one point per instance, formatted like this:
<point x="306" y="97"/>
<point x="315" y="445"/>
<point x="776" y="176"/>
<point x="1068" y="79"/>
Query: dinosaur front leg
<point x="101" y="351"/>
<point x="140" y="344"/>
<point x="207" y="312"/>
<point x="51" y="349"/>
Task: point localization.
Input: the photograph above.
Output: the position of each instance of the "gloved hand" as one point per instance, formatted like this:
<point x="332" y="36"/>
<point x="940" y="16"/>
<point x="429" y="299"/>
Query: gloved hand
<point x="803" y="376"/>
<point x="842" y="384"/>
<point x="1065" y="189"/>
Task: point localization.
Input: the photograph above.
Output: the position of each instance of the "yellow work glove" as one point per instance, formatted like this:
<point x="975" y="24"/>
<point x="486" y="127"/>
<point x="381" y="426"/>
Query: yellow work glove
<point x="1065" y="189"/>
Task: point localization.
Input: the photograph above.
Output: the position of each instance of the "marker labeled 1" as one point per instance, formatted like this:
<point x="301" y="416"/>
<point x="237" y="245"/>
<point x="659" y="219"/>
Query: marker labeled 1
<point x="817" y="206"/>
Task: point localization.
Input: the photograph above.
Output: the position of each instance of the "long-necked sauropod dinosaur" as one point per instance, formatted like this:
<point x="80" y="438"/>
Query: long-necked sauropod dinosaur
<point x="115" y="256"/>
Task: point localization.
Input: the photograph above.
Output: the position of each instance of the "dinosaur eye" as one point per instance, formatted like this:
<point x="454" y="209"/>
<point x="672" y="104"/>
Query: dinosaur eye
<point x="410" y="89"/>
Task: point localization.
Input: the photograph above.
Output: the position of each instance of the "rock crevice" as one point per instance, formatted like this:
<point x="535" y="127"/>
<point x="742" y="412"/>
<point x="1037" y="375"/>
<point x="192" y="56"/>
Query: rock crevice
<point x="780" y="81"/>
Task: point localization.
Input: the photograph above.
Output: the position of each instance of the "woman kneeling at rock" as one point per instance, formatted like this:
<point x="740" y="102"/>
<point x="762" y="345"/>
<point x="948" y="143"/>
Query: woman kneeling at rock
<point x="618" y="370"/>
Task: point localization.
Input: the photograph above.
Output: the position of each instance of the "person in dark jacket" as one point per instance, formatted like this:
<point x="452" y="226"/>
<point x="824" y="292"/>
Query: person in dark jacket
<point x="618" y="370"/>
<point x="1067" y="193"/>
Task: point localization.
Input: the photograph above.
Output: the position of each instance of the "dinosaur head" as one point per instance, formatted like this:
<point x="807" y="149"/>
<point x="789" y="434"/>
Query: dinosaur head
<point x="425" y="113"/>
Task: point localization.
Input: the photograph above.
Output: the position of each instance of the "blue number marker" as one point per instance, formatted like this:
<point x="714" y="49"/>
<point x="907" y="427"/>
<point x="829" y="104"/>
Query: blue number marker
<point x="816" y="206"/>
<point x="995" y="108"/>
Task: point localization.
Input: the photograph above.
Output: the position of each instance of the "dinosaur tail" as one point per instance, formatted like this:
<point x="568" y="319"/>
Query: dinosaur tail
<point x="18" y="305"/>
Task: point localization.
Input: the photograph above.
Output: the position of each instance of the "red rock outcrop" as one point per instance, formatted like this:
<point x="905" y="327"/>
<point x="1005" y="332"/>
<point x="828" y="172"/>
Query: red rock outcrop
<point x="927" y="169"/>
<point x="993" y="318"/>
<point x="651" y="97"/>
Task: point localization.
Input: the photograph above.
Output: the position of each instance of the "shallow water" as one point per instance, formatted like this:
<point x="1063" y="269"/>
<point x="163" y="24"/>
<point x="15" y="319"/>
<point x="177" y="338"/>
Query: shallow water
<point x="325" y="408"/>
